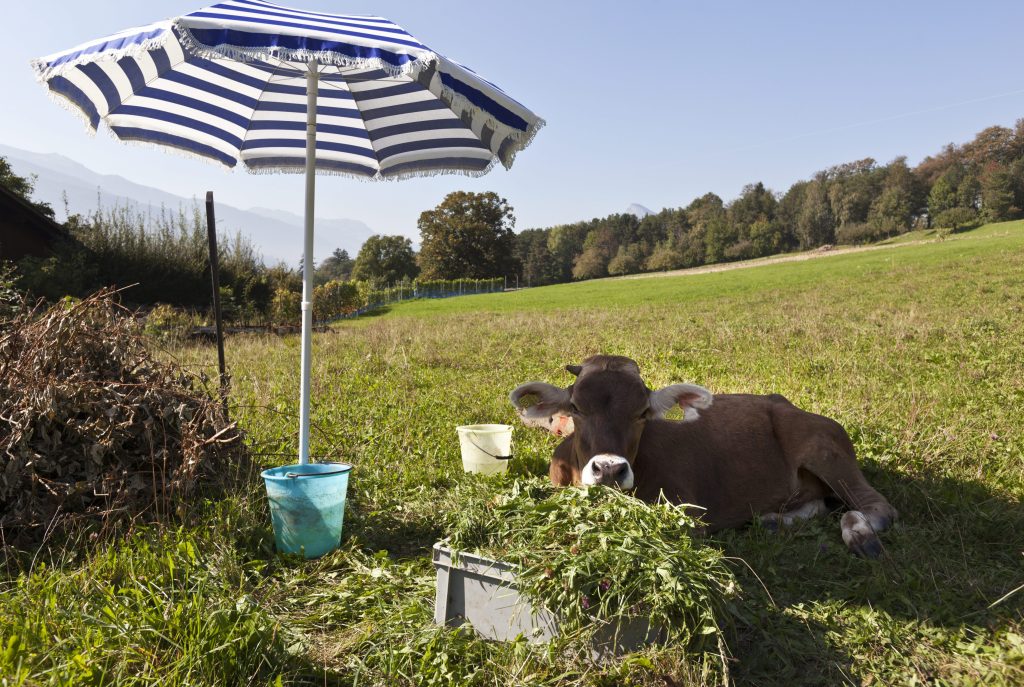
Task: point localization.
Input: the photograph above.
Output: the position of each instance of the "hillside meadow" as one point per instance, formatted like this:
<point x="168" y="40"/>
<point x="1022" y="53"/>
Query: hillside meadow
<point x="917" y="350"/>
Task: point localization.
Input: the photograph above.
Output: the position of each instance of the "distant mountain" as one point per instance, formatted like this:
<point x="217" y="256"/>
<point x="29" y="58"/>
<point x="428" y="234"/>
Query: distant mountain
<point x="275" y="233"/>
<point x="638" y="210"/>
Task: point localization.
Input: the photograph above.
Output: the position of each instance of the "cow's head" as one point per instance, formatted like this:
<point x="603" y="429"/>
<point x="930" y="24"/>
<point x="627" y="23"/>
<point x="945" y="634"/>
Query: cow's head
<point x="605" y="410"/>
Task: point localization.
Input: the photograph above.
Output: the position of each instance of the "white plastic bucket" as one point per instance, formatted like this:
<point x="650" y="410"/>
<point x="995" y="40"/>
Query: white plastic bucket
<point x="486" y="449"/>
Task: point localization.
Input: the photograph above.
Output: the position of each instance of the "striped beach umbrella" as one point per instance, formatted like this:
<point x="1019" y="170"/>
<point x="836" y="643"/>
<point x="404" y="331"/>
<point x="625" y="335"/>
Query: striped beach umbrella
<point x="252" y="84"/>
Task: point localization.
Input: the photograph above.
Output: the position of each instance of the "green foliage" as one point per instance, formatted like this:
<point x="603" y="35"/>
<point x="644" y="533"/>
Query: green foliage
<point x="815" y="224"/>
<point x="169" y="324"/>
<point x="468" y="235"/>
<point x="164" y="258"/>
<point x="858" y="234"/>
<point x="955" y="218"/>
<point x="286" y="307"/>
<point x="22" y="186"/>
<point x="1002" y="189"/>
<point x="597" y="555"/>
<point x="628" y="259"/>
<point x="892" y="211"/>
<point x="336" y="267"/>
<point x="335" y="299"/>
<point x="540" y="265"/>
<point x="10" y="297"/>
<point x="385" y="260"/>
<point x="854" y="202"/>
<point x="592" y="263"/>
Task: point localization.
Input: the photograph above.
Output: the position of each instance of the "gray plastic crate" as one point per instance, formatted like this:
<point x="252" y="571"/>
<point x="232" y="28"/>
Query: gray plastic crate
<point x="483" y="592"/>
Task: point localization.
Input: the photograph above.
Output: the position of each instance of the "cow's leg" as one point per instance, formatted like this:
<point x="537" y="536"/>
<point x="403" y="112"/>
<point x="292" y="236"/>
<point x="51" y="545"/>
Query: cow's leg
<point x="821" y="446"/>
<point x="836" y="466"/>
<point x="811" y="509"/>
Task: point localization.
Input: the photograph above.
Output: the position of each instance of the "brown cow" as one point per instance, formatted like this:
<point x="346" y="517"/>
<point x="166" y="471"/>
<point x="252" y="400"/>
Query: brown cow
<point x="737" y="456"/>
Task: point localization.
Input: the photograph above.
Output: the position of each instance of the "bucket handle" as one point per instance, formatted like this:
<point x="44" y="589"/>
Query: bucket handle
<point x="293" y="475"/>
<point x="482" y="450"/>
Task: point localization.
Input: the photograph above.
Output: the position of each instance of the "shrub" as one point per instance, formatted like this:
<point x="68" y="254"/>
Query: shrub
<point x="955" y="218"/>
<point x="858" y="233"/>
<point x="741" y="250"/>
<point x="10" y="297"/>
<point x="166" y="323"/>
<point x="334" y="299"/>
<point x="286" y="307"/>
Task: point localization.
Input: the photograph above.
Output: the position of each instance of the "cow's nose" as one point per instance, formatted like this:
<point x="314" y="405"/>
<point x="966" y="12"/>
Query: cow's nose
<point x="617" y="471"/>
<point x="610" y="470"/>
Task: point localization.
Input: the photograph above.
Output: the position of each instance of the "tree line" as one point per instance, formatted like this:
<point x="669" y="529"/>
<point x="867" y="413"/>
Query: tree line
<point x="470" y="236"/>
<point x="856" y="202"/>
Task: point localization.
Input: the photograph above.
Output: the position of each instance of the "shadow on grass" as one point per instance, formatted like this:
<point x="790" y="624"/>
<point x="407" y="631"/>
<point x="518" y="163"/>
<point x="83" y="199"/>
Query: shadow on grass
<point x="955" y="551"/>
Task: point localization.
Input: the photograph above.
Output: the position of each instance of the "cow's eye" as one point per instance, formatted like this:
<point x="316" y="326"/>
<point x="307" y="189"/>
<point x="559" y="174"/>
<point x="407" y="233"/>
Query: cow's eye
<point x="573" y="409"/>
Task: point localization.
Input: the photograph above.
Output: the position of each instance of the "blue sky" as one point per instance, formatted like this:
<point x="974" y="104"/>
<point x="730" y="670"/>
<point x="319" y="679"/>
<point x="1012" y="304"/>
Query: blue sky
<point x="647" y="102"/>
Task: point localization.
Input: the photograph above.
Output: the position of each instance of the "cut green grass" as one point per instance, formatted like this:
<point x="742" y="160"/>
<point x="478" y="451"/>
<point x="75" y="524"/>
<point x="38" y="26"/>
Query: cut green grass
<point x="916" y="350"/>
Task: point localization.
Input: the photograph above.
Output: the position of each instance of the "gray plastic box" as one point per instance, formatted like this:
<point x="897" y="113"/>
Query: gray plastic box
<point x="483" y="592"/>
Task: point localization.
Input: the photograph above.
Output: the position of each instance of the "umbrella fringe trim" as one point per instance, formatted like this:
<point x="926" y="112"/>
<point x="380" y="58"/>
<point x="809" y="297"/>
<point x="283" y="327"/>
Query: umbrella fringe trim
<point x="412" y="174"/>
<point x="460" y="105"/>
<point x="44" y="72"/>
<point x="66" y="103"/>
<point x="324" y="57"/>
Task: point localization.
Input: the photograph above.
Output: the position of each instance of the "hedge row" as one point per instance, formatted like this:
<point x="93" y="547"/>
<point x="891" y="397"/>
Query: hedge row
<point x="339" y="299"/>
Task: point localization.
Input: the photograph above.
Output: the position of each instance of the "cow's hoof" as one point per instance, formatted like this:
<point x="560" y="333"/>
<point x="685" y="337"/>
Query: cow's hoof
<point x="859" y="536"/>
<point x="770" y="524"/>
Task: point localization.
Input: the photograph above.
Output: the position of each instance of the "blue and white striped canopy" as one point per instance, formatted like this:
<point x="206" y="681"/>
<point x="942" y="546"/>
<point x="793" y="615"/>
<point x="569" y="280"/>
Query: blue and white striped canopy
<point x="228" y="83"/>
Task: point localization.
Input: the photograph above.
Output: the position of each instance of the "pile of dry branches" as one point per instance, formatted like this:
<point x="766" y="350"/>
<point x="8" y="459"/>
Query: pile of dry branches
<point x="92" y="425"/>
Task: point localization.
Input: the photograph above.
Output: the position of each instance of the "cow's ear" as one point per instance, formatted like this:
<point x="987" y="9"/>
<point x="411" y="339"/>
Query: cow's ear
<point x="574" y="370"/>
<point x="690" y="397"/>
<point x="550" y="412"/>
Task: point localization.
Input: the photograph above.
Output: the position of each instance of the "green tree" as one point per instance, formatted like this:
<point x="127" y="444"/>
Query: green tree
<point x="468" y="236"/>
<point x="942" y="197"/>
<point x="968" y="192"/>
<point x="22" y="186"/>
<point x="767" y="237"/>
<point x="852" y="187"/>
<point x="539" y="265"/>
<point x="627" y="260"/>
<point x="815" y="225"/>
<point x="336" y="267"/>
<point x="755" y="203"/>
<point x="565" y="243"/>
<point x="892" y="211"/>
<point x="999" y="194"/>
<point x="385" y="260"/>
<point x="599" y="248"/>
<point x="788" y="210"/>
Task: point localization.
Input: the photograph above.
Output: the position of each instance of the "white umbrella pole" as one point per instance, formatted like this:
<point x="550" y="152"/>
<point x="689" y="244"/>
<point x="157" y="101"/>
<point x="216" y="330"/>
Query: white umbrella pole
<point x="307" y="263"/>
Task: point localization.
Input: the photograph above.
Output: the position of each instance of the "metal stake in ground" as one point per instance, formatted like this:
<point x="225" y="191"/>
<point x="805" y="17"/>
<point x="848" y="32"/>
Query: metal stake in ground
<point x="211" y="232"/>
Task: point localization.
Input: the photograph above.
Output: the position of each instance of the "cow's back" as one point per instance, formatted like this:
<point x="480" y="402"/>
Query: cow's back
<point x="728" y="461"/>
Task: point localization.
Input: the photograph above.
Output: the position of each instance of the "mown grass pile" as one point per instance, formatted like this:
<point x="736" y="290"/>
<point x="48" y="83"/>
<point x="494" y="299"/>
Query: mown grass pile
<point x="598" y="557"/>
<point x="94" y="425"/>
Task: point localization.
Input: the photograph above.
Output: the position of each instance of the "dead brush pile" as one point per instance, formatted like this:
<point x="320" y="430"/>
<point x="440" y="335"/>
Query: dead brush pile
<point x="92" y="426"/>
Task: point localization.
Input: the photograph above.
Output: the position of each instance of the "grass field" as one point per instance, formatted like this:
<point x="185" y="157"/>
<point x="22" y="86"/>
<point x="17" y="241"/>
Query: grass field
<point x="917" y="350"/>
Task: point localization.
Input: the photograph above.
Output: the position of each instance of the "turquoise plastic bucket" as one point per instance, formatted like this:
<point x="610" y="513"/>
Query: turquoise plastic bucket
<point x="307" y="506"/>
